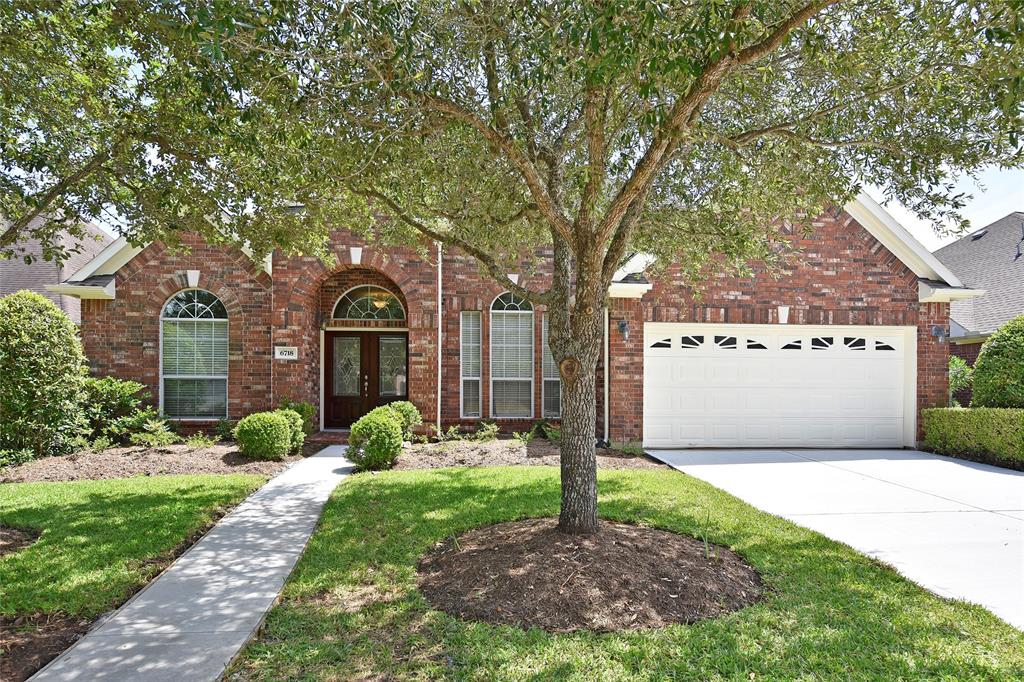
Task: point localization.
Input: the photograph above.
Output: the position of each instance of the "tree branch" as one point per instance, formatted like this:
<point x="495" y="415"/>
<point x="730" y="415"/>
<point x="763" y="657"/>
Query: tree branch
<point x="547" y="206"/>
<point x="11" y="234"/>
<point x="782" y="31"/>
<point x="487" y="260"/>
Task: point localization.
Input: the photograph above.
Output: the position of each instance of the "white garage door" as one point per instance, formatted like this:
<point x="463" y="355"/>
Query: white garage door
<point x="778" y="386"/>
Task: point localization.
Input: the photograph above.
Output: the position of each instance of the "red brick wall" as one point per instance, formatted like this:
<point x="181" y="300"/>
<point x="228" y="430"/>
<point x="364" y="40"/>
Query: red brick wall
<point x="842" y="276"/>
<point x="968" y="351"/>
<point x="121" y="337"/>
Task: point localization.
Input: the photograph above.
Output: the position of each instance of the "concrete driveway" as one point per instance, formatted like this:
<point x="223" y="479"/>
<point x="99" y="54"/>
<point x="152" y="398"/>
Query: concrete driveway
<point x="954" y="527"/>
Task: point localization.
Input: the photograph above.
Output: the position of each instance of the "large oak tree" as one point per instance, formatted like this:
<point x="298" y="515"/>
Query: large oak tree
<point x="688" y="130"/>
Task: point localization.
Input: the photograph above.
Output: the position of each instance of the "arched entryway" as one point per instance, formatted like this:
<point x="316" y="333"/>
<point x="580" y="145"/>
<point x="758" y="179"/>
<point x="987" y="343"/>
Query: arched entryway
<point x="365" y="344"/>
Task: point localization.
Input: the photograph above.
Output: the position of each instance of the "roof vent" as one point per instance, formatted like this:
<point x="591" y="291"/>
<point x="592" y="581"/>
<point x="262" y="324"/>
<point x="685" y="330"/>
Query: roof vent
<point x="978" y="235"/>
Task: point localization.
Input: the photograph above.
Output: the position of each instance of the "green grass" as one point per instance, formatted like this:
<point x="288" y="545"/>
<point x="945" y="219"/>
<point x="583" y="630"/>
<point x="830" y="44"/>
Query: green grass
<point x="98" y="537"/>
<point x="831" y="613"/>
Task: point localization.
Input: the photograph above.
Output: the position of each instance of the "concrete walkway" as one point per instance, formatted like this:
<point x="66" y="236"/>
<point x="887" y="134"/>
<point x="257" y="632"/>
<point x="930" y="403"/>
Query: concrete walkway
<point x="954" y="527"/>
<point x="191" y="621"/>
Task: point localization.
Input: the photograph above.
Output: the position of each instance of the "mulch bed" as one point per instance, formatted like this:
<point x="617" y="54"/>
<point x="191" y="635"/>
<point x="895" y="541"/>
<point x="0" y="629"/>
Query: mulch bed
<point x="139" y="461"/>
<point x="27" y="643"/>
<point x="508" y="452"/>
<point x="13" y="539"/>
<point x="624" y="577"/>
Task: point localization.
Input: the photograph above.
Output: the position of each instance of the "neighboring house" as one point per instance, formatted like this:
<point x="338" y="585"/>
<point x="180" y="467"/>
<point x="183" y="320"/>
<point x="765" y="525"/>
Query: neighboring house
<point x="16" y="274"/>
<point x="842" y="350"/>
<point x="991" y="258"/>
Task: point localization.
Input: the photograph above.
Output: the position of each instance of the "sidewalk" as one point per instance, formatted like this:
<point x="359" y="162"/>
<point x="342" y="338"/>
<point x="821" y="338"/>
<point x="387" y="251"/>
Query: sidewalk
<point x="191" y="621"/>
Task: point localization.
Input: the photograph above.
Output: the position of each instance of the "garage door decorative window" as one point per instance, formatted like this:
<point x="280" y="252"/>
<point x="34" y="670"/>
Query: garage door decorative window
<point x="194" y="356"/>
<point x="511" y="357"/>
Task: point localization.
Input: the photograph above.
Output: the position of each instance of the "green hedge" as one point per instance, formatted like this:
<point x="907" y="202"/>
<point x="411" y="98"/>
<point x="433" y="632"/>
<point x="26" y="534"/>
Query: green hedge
<point x="990" y="434"/>
<point x="264" y="435"/>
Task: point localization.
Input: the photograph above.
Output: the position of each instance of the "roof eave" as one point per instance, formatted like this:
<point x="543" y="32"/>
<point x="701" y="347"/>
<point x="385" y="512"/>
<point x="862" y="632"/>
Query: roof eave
<point x="928" y="292"/>
<point x="893" y="236"/>
<point x="107" y="292"/>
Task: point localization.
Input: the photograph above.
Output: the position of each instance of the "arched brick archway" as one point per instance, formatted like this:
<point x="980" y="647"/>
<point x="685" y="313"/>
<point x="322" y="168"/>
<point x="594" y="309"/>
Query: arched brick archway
<point x="305" y="290"/>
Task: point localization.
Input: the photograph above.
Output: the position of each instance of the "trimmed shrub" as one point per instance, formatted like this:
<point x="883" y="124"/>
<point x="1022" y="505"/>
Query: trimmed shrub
<point x="264" y="435"/>
<point x="999" y="369"/>
<point x="42" y="370"/>
<point x="155" y="433"/>
<point x="410" y="416"/>
<point x="295" y="427"/>
<point x="376" y="439"/>
<point x="306" y="410"/>
<point x="960" y="377"/>
<point x="989" y="434"/>
<point x="114" y="402"/>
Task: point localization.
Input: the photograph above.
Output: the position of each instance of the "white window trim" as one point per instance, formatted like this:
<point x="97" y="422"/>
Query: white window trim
<point x="334" y="306"/>
<point x="480" y="359"/>
<point x="544" y="330"/>
<point x="160" y="360"/>
<point x="490" y="354"/>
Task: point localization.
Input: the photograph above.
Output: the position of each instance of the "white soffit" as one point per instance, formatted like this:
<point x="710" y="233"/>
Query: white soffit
<point x="107" y="292"/>
<point x="108" y="261"/>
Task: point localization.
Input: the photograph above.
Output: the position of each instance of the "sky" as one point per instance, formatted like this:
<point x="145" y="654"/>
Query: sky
<point x="997" y="193"/>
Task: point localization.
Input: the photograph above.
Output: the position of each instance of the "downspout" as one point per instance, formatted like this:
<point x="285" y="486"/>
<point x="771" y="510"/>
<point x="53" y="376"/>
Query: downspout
<point x="440" y="317"/>
<point x="606" y="374"/>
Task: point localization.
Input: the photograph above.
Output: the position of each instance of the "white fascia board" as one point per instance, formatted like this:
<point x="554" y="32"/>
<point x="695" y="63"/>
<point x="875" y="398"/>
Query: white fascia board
<point x="104" y="293"/>
<point x="893" y="236"/>
<point x="928" y="293"/>
<point x="629" y="289"/>
<point x="108" y="261"/>
<point x="638" y="262"/>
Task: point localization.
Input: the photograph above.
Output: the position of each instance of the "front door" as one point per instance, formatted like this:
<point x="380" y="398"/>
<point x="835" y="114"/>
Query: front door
<point x="363" y="370"/>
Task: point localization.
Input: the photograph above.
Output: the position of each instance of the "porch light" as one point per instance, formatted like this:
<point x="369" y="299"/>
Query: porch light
<point x="624" y="329"/>
<point x="939" y="332"/>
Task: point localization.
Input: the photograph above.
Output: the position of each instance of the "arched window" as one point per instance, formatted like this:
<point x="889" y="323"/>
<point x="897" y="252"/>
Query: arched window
<point x="194" y="356"/>
<point x="511" y="357"/>
<point x="368" y="302"/>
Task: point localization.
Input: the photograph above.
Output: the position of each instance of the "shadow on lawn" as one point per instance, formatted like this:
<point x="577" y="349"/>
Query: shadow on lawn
<point x="101" y="540"/>
<point x="830" y="612"/>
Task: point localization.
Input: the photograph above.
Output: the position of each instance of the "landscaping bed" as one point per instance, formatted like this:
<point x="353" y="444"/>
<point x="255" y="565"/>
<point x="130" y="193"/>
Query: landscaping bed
<point x="182" y="459"/>
<point x="354" y="608"/>
<point x="99" y="542"/>
<point x="509" y="452"/>
<point x="526" y="573"/>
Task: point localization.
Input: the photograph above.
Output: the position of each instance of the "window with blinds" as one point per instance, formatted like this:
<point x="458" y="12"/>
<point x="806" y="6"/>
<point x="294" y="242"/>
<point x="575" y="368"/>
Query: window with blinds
<point x="511" y="357"/>
<point x="470" y="341"/>
<point x="194" y="356"/>
<point x="551" y="389"/>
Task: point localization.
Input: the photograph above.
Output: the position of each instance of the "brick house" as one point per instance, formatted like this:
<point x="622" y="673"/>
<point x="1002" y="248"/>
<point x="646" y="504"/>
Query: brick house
<point x="992" y="259"/>
<point x="842" y="349"/>
<point x="41" y="275"/>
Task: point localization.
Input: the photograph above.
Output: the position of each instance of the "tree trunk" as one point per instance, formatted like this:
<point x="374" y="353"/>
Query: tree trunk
<point x="578" y="515"/>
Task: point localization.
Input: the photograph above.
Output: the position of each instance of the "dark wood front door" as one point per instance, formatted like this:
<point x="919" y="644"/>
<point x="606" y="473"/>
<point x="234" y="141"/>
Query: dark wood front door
<point x="363" y="370"/>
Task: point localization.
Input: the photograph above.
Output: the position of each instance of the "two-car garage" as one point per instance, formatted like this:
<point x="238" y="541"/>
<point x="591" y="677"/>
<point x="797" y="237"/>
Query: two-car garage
<point x="734" y="385"/>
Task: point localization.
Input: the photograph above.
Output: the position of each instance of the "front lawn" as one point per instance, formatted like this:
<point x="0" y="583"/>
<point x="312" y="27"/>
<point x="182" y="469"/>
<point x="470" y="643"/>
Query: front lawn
<point x="98" y="542"/>
<point x="351" y="609"/>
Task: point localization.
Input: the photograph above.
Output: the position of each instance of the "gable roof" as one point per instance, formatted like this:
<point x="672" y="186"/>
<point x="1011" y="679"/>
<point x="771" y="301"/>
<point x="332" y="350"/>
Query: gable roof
<point x="988" y="258"/>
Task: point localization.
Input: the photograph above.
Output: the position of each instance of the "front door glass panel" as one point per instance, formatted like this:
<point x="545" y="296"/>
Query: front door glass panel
<point x="347" y="359"/>
<point x="392" y="363"/>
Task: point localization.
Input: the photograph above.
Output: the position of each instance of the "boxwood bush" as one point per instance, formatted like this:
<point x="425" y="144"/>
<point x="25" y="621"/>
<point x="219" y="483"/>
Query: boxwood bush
<point x="264" y="435"/>
<point x="305" y="409"/>
<point x="987" y="434"/>
<point x="999" y="369"/>
<point x="410" y="416"/>
<point x="376" y="439"/>
<point x="295" y="427"/>
<point x="42" y="372"/>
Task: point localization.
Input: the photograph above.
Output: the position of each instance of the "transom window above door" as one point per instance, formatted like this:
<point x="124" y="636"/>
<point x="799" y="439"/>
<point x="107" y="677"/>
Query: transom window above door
<point x="368" y="302"/>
